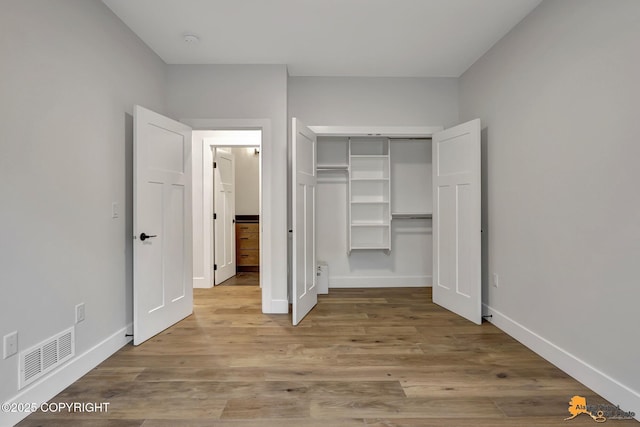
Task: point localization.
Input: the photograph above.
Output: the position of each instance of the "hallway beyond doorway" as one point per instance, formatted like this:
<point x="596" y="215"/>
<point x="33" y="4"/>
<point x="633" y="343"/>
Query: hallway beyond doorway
<point x="243" y="278"/>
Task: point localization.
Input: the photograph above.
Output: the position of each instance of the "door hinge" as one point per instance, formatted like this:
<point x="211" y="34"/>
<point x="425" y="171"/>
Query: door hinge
<point x="215" y="165"/>
<point x="215" y="267"/>
<point x="215" y="216"/>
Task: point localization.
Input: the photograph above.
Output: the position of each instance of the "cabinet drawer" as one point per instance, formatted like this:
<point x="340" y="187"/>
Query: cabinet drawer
<point x="248" y="241"/>
<point x="242" y="228"/>
<point x="248" y="257"/>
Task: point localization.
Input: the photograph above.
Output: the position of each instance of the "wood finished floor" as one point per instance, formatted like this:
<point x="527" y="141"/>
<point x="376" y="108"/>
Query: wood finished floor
<point x="362" y="357"/>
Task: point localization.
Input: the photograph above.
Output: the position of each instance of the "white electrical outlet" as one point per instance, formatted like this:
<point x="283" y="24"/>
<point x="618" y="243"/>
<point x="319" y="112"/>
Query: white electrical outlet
<point x="79" y="312"/>
<point x="495" y="280"/>
<point x="10" y="345"/>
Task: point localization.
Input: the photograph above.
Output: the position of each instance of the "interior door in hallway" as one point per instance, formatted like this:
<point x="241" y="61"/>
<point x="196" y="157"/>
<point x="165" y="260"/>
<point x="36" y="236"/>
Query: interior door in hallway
<point x="224" y="215"/>
<point x="162" y="282"/>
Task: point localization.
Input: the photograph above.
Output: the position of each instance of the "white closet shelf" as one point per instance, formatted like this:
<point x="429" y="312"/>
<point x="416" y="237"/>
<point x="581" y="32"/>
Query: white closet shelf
<point x="370" y="202"/>
<point x="411" y="215"/>
<point x="369" y="197"/>
<point x="355" y="248"/>
<point x="332" y="167"/>
<point x="369" y="156"/>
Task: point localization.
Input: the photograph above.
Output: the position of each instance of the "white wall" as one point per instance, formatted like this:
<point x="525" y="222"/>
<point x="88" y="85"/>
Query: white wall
<point x="247" y="181"/>
<point x="353" y="101"/>
<point x="71" y="73"/>
<point x="246" y="92"/>
<point x="558" y="98"/>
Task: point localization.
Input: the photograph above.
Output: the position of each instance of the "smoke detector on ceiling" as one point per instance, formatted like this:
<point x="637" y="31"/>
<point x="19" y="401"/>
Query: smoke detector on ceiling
<point x="191" y="39"/>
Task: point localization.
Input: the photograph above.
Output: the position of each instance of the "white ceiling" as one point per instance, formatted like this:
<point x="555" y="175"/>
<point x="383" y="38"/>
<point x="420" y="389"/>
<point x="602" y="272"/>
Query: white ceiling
<point x="404" y="38"/>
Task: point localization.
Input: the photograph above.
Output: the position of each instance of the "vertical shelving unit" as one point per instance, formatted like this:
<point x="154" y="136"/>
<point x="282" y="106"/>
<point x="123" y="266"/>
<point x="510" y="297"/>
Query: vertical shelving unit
<point x="369" y="194"/>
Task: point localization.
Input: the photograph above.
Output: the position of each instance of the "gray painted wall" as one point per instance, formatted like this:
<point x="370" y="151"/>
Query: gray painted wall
<point x="71" y="73"/>
<point x="355" y="101"/>
<point x="558" y="98"/>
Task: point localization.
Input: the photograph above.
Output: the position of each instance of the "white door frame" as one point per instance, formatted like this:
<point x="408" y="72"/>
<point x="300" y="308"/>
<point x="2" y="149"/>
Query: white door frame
<point x="208" y="188"/>
<point x="266" y="223"/>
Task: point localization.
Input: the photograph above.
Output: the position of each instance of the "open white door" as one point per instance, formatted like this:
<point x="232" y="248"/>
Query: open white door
<point x="162" y="264"/>
<point x="224" y="208"/>
<point x="305" y="291"/>
<point x="456" y="220"/>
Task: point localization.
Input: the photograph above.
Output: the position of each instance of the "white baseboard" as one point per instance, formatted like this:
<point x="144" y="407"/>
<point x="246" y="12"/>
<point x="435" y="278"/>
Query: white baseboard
<point x="201" y="282"/>
<point x="50" y="385"/>
<point x="609" y="388"/>
<point x="278" y="306"/>
<point x="380" y="282"/>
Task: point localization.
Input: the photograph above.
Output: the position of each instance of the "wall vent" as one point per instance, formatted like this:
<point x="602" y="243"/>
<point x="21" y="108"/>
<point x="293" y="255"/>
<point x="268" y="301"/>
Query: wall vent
<point x="46" y="356"/>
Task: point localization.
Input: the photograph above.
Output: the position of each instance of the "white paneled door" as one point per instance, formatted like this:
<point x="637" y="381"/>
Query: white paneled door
<point x="162" y="282"/>
<point x="456" y="220"/>
<point x="305" y="291"/>
<point x="224" y="215"/>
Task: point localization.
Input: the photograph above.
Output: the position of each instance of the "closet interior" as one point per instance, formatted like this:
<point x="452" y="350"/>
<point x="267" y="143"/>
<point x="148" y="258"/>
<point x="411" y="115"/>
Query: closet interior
<point x="374" y="210"/>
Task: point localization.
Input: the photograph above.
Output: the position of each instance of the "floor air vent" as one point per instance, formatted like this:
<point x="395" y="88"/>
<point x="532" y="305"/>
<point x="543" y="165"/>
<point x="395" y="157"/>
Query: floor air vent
<point x="46" y="356"/>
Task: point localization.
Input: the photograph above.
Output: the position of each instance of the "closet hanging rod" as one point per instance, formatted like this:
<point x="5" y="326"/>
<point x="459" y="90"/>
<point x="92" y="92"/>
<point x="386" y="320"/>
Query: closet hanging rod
<point x="416" y="138"/>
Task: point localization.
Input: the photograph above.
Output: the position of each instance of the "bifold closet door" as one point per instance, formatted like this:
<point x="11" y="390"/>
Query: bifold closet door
<point x="456" y="220"/>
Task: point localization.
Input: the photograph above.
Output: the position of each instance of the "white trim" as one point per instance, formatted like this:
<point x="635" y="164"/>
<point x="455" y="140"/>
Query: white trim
<point x="235" y="138"/>
<point x="611" y="389"/>
<point x="379" y="281"/>
<point x="50" y="385"/>
<point x="388" y="131"/>
<point x="279" y="306"/>
<point x="201" y="282"/>
<point x="266" y="220"/>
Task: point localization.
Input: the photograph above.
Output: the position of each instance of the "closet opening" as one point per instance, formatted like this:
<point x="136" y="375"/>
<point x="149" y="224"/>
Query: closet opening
<point x="374" y="210"/>
<point x="390" y="207"/>
<point x="370" y="191"/>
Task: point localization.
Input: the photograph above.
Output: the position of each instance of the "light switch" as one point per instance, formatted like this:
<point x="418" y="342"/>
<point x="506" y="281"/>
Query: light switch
<point x="115" y="210"/>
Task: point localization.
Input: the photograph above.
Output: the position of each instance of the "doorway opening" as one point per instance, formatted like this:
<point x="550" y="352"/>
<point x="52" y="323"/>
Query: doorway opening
<point x="227" y="196"/>
<point x="236" y="211"/>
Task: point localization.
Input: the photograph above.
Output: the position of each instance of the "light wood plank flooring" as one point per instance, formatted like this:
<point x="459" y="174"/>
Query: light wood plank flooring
<point x="362" y="357"/>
